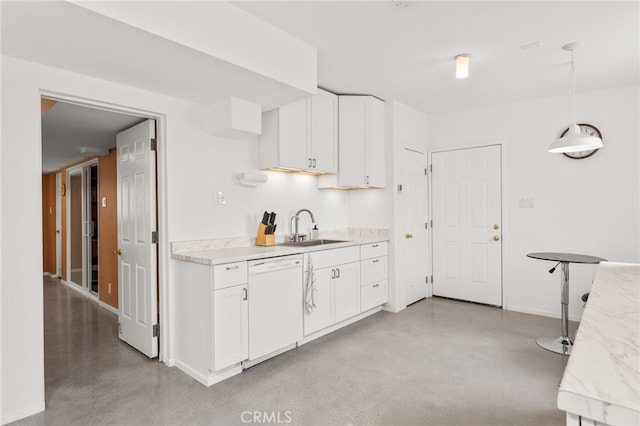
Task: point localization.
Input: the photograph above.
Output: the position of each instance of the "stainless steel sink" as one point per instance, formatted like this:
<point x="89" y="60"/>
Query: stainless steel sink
<point x="311" y="243"/>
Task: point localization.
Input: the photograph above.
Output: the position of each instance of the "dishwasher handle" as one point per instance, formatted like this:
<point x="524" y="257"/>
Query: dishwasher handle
<point x="271" y="265"/>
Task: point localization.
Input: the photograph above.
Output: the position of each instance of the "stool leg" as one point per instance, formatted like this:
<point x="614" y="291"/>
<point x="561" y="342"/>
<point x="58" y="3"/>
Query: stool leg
<point x="564" y="300"/>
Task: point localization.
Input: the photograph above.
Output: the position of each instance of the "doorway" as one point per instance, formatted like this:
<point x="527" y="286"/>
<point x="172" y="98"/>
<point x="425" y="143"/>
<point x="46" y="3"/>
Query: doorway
<point x="82" y="227"/>
<point x="414" y="210"/>
<point x="95" y="193"/>
<point x="467" y="224"/>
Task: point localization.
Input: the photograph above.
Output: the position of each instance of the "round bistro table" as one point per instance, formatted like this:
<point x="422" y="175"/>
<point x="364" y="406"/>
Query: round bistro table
<point x="562" y="344"/>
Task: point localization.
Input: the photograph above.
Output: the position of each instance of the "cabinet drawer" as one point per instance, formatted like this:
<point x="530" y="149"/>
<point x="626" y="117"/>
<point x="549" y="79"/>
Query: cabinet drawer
<point x="368" y="251"/>
<point x="373" y="270"/>
<point x="373" y="295"/>
<point x="229" y="274"/>
<point x="325" y="258"/>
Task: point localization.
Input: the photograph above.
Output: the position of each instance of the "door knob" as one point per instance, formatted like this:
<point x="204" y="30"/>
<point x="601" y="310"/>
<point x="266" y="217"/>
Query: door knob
<point x="496" y="238"/>
<point x="117" y="251"/>
<point x="408" y="235"/>
<point x="57" y="231"/>
<point x="496" y="226"/>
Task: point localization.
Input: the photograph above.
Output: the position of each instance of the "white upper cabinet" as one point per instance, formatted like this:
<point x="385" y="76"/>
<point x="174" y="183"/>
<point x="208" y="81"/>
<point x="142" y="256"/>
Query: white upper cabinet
<point x="361" y="136"/>
<point x="302" y="135"/>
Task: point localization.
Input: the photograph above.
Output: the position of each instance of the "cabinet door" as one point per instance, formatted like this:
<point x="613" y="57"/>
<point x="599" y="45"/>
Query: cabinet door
<point x="375" y="170"/>
<point x="351" y="131"/>
<point x="323" y="145"/>
<point x="347" y="291"/>
<point x="293" y="136"/>
<point x="231" y="326"/>
<point x="322" y="316"/>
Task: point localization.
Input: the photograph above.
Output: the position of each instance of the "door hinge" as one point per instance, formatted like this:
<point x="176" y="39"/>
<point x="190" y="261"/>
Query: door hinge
<point x="431" y="279"/>
<point x="156" y="330"/>
<point x="154" y="144"/>
<point x="154" y="237"/>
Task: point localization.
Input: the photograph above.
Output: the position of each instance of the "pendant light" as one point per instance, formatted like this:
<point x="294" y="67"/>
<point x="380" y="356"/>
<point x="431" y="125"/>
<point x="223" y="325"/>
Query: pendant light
<point x="574" y="140"/>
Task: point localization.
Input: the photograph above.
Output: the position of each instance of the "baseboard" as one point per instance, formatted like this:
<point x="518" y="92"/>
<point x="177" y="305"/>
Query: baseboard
<point x="393" y="309"/>
<point x="338" y="326"/>
<point x="22" y="413"/>
<point x="108" y="307"/>
<point x="539" y="312"/>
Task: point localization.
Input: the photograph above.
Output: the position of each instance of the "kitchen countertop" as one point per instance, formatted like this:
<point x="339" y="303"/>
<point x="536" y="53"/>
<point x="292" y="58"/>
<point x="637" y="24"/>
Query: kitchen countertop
<point x="217" y="252"/>
<point x="602" y="378"/>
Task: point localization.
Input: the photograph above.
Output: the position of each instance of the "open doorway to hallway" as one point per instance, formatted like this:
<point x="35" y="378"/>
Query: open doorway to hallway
<point x="87" y="196"/>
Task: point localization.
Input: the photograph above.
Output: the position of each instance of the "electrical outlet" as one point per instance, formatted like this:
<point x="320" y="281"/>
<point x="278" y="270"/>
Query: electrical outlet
<point x="109" y="288"/>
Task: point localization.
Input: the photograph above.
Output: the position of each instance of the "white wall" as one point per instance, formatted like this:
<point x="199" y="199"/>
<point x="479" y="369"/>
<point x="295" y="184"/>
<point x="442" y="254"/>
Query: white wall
<point x="197" y="166"/>
<point x="588" y="206"/>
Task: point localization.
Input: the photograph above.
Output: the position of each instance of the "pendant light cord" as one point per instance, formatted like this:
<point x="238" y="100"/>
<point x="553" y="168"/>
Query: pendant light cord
<point x="572" y="86"/>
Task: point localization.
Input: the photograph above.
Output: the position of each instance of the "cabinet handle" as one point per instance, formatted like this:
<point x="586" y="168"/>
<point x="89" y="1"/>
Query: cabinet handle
<point x="375" y="261"/>
<point x="375" y="245"/>
<point x="338" y="273"/>
<point x="366" y="180"/>
<point x="314" y="163"/>
<point x="245" y="294"/>
<point x="309" y="163"/>
<point x="376" y="285"/>
<point x="231" y="268"/>
<point x="333" y="273"/>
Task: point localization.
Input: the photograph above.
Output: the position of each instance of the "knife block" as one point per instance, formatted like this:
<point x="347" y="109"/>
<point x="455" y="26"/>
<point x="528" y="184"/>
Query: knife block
<point x="263" y="239"/>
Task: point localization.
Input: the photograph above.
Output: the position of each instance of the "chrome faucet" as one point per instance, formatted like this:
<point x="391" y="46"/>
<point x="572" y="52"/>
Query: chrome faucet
<point x="296" y="236"/>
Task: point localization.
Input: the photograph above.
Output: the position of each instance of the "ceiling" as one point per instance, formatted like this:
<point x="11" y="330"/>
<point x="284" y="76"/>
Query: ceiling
<point x="407" y="53"/>
<point x="394" y="50"/>
<point x="67" y="127"/>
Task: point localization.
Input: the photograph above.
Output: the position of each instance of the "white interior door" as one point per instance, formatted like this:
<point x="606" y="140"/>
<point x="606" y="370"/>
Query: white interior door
<point x="59" y="224"/>
<point x="467" y="224"/>
<point x="137" y="263"/>
<point x="414" y="209"/>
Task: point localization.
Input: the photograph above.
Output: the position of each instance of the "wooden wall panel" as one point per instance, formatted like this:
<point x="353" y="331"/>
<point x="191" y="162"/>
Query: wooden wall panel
<point x="108" y="228"/>
<point x="49" y="223"/>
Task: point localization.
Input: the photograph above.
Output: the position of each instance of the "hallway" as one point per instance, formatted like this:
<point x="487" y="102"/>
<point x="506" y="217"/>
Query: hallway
<point x="438" y="362"/>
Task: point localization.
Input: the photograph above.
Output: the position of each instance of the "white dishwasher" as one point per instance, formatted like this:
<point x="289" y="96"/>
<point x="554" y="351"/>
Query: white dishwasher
<point x="275" y="304"/>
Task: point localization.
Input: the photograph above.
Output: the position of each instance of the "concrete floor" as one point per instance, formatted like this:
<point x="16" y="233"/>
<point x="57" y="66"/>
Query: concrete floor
<point x="438" y="362"/>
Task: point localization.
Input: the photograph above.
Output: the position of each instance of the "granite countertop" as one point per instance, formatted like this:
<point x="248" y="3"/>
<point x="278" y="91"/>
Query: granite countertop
<point x="217" y="252"/>
<point x="602" y="378"/>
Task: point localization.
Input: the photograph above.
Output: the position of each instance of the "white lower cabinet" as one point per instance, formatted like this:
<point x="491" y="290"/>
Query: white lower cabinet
<point x="230" y="326"/>
<point x="335" y="292"/>
<point x="212" y="322"/>
<point x="374" y="266"/>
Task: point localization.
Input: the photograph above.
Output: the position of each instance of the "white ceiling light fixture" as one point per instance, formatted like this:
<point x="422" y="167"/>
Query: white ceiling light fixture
<point x="92" y="151"/>
<point x="574" y="140"/>
<point x="462" y="65"/>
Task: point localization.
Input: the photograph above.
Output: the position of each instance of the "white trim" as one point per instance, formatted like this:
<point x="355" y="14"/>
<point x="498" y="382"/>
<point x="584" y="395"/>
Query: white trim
<point x="540" y="312"/>
<point x="22" y="413"/>
<point x="58" y="265"/>
<point x="165" y="293"/>
<point x="338" y="326"/>
<point x="75" y="287"/>
<point x="108" y="307"/>
<point x="393" y="309"/>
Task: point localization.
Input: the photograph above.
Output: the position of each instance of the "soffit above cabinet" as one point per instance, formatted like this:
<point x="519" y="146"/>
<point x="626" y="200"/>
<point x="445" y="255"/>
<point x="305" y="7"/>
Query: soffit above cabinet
<point x="165" y="59"/>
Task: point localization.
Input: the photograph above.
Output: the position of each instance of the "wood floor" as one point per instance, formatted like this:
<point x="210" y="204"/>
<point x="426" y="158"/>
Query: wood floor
<point x="438" y="362"/>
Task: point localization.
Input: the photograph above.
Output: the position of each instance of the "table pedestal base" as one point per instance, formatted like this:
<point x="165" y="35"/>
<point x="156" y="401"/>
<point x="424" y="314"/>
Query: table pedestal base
<point x="560" y="345"/>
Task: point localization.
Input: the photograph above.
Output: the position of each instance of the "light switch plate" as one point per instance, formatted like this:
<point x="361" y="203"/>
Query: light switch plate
<point x="526" y="203"/>
<point x="104" y="201"/>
